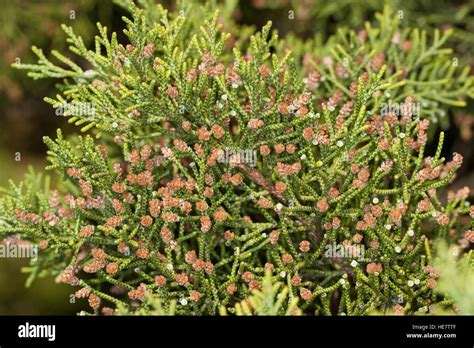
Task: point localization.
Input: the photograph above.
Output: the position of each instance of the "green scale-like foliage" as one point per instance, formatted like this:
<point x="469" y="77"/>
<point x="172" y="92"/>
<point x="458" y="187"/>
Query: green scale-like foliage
<point x="419" y="64"/>
<point x="161" y="218"/>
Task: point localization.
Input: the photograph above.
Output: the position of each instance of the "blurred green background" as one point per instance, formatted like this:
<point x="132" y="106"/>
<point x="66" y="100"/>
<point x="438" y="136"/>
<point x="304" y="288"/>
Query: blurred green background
<point x="25" y="118"/>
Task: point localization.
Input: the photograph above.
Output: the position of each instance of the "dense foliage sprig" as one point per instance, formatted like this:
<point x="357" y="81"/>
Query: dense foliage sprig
<point x="217" y="165"/>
